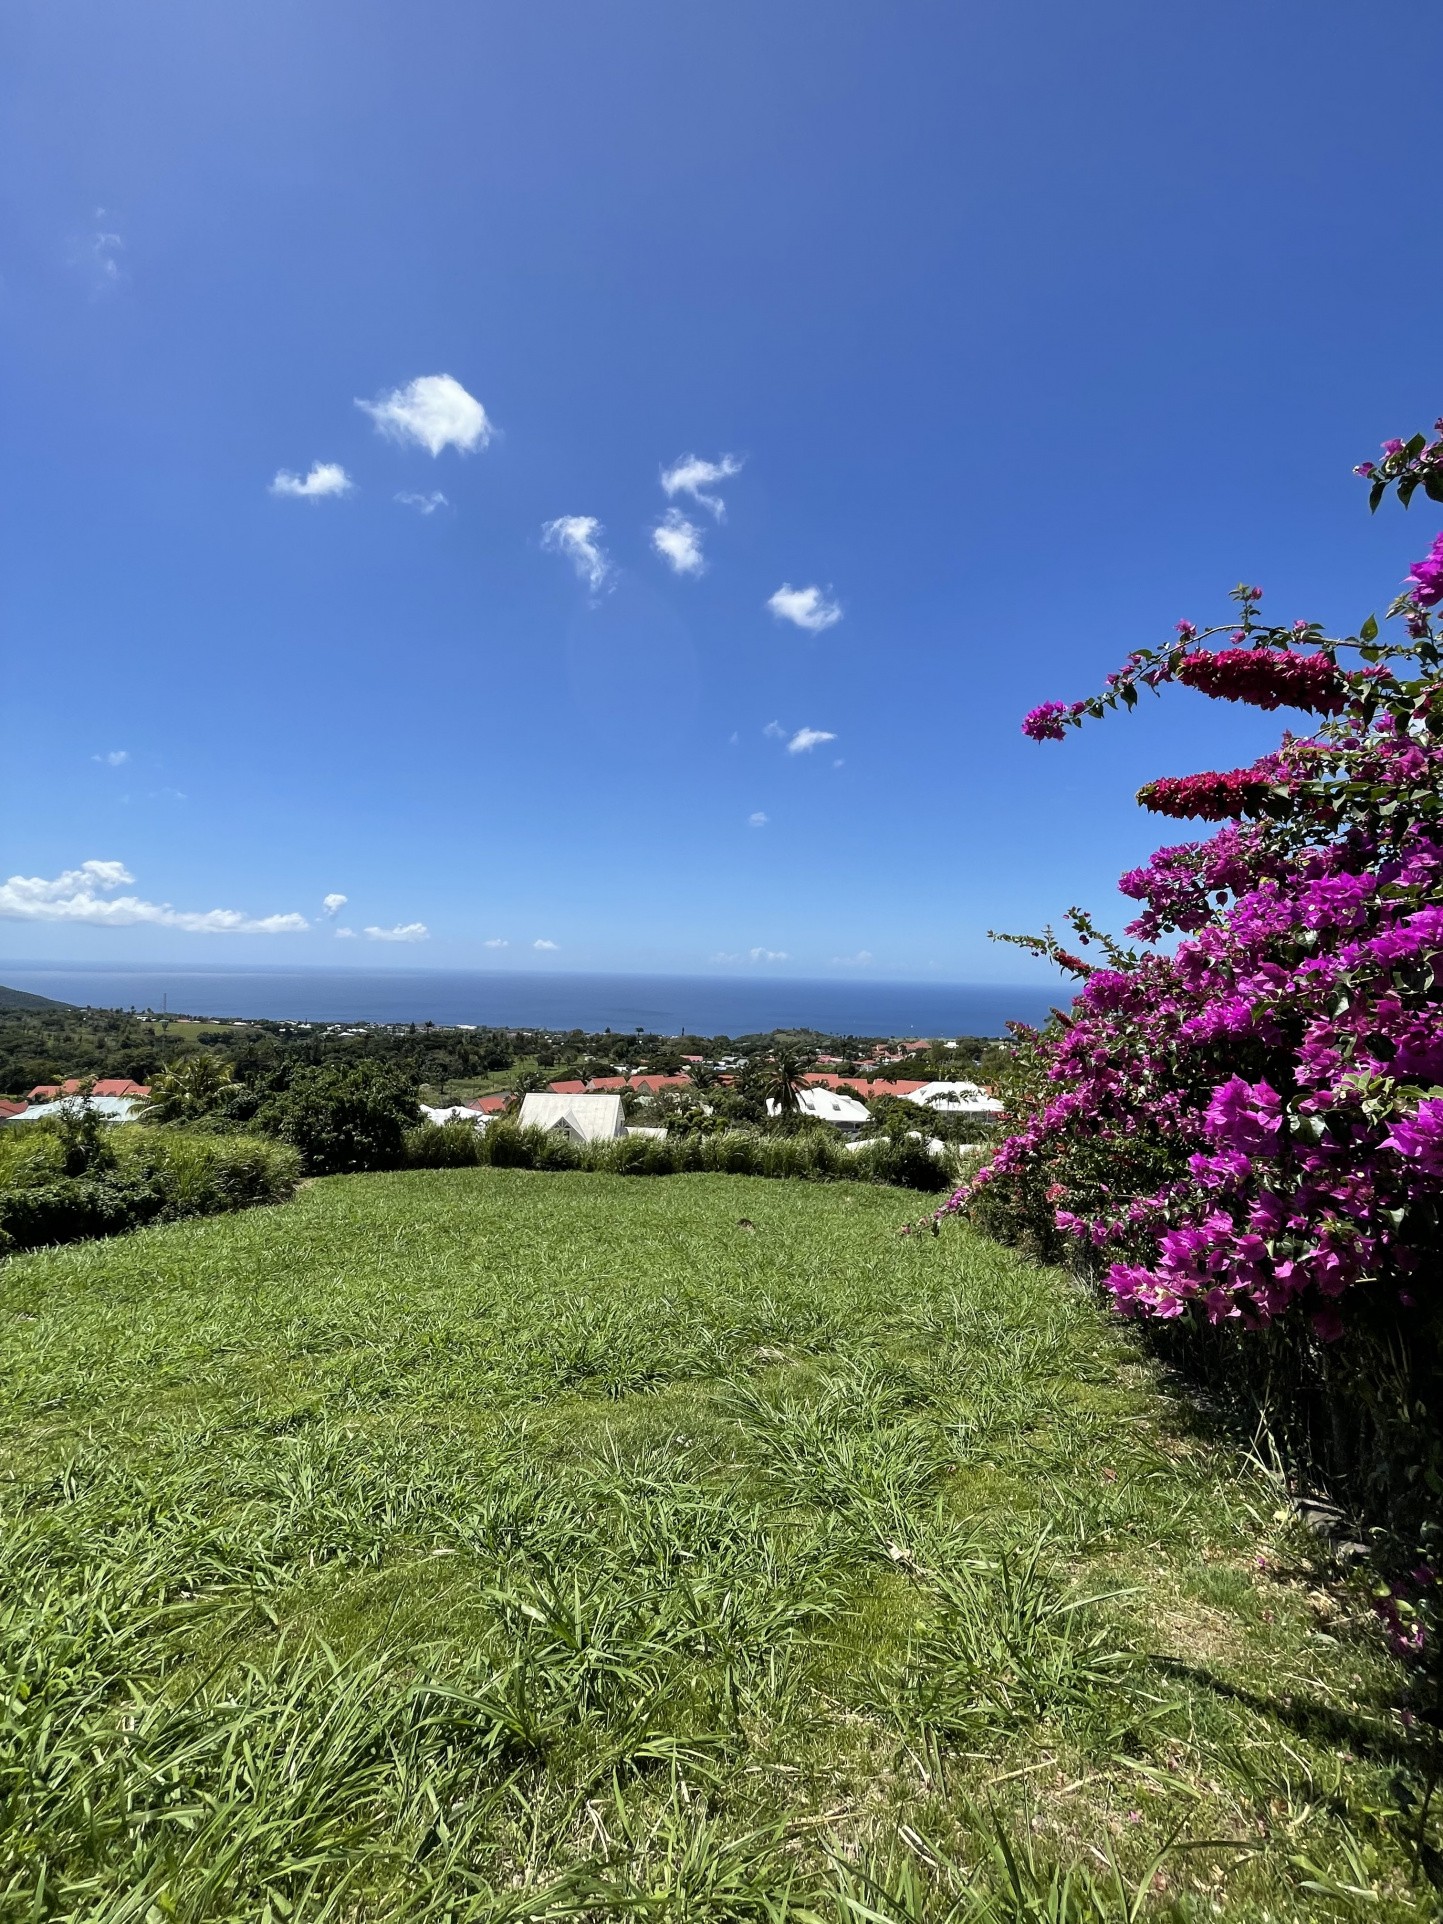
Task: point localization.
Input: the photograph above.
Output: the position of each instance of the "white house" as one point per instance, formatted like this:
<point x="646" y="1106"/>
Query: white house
<point x="108" y="1108"/>
<point x="454" y="1112"/>
<point x="828" y="1105"/>
<point x="957" y="1099"/>
<point x="587" y="1118"/>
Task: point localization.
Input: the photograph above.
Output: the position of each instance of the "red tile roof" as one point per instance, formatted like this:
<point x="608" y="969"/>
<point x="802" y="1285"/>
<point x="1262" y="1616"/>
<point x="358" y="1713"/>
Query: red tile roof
<point x="489" y="1105"/>
<point x="8" y="1108"/>
<point x="107" y="1086"/>
<point x="121" y="1086"/>
<point x="867" y="1089"/>
<point x="661" y="1082"/>
<point x="567" y="1088"/>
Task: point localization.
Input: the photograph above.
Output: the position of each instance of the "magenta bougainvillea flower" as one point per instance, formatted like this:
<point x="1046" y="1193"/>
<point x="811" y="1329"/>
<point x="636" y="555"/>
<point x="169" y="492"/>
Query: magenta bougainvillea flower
<point x="1248" y="1124"/>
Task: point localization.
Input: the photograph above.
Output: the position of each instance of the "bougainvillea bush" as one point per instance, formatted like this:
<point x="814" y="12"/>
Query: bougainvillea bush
<point x="1240" y="1134"/>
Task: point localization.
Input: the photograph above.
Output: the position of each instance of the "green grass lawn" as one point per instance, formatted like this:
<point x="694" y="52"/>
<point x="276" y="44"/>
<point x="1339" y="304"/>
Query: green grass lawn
<point x="481" y="1544"/>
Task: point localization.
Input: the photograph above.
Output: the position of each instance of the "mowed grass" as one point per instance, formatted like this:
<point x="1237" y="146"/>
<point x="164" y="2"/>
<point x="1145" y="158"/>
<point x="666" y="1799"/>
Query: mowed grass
<point x="494" y="1545"/>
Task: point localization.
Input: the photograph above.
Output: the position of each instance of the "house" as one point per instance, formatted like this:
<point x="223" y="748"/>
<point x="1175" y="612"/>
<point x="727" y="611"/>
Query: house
<point x="488" y="1105"/>
<point x="957" y="1099"/>
<point x="877" y="1086"/>
<point x="828" y="1105"/>
<point x="585" y="1118"/>
<point x="9" y="1109"/>
<point x="454" y="1112"/>
<point x="108" y="1108"/>
<point x="567" y="1088"/>
<point x="107" y="1086"/>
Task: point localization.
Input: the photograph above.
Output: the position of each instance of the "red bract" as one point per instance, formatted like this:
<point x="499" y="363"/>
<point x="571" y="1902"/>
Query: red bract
<point x="1266" y="678"/>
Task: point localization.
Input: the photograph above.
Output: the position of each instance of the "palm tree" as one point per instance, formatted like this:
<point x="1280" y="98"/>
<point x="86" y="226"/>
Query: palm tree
<point x="783" y="1079"/>
<point x="191" y="1087"/>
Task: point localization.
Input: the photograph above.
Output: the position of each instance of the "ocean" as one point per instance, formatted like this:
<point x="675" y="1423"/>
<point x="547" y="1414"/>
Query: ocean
<point x="660" y="1004"/>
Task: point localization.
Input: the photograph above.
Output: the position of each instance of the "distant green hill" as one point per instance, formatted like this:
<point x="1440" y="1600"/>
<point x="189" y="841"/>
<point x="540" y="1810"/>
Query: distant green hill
<point x="22" y="999"/>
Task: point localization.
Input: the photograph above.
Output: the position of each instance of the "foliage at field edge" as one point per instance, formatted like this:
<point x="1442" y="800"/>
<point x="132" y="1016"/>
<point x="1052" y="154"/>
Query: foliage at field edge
<point x="1244" y="1138"/>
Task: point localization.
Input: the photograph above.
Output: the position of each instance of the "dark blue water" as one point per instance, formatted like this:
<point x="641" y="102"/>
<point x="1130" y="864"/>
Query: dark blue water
<point x="660" y="1004"/>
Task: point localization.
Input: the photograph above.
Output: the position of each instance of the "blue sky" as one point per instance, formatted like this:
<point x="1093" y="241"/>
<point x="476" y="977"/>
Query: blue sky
<point x="1029" y="330"/>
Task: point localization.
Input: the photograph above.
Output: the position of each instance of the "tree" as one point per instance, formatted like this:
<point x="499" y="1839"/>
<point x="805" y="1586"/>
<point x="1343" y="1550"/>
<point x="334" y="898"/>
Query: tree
<point x="1243" y="1136"/>
<point x="782" y="1079"/>
<point x="193" y="1086"/>
<point x="344" y="1117"/>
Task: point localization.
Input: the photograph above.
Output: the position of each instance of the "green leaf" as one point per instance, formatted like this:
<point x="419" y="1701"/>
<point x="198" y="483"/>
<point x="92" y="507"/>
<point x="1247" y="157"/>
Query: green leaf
<point x="1375" y="495"/>
<point x="1369" y="629"/>
<point x="1407" y="488"/>
<point x="1433" y="484"/>
<point x="1416" y="446"/>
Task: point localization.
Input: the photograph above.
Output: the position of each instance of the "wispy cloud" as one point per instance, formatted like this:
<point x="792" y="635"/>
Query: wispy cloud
<point x="767" y="955"/>
<point x="87" y="894"/>
<point x="347" y="935"/>
<point x="678" y="542"/>
<point x="325" y="478"/>
<point x="542" y="943"/>
<point x="424" y="503"/>
<point x="576" y="537"/>
<point x="402" y="932"/>
<point x="857" y="961"/>
<point x="808" y="738"/>
<point x="807" y="608"/>
<point x="433" y="412"/>
<point x="333" y="904"/>
<point x="775" y="732"/>
<point x="97" y="255"/>
<point x="691" y="475"/>
<point x="757" y="820"/>
<point x="496" y="942"/>
<point x="114" y="758"/>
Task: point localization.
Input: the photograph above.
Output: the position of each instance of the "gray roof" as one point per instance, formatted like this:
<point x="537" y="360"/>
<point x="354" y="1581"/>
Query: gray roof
<point x="108" y="1108"/>
<point x="587" y="1118"/>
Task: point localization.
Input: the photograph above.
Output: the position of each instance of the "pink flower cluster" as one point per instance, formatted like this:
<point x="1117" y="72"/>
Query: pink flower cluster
<point x="1251" y="1125"/>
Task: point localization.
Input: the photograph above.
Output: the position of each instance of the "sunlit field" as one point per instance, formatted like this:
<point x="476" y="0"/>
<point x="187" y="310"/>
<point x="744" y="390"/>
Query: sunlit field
<point x="486" y="1544"/>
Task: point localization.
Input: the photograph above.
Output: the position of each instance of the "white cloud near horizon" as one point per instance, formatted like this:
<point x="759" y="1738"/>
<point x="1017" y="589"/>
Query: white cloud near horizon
<point x="333" y="904"/>
<point x="326" y="478"/>
<point x="767" y="955"/>
<point x="434" y="412"/>
<point x="542" y="943"/>
<point x="757" y="820"/>
<point x="678" y="542"/>
<point x="114" y="758"/>
<point x="577" y="537"/>
<point x="808" y="738"/>
<point x="87" y="895"/>
<point x="424" y="503"/>
<point x="690" y="475"/>
<point x="402" y="932"/>
<point x="806" y="608"/>
<point x="496" y="942"/>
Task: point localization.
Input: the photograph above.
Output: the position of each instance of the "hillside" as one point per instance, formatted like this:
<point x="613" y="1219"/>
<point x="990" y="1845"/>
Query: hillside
<point x="489" y="1545"/>
<point x="22" y="999"/>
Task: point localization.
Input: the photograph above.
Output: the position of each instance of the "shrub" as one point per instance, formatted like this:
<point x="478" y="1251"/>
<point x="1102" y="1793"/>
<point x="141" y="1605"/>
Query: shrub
<point x="146" y="1175"/>
<point x="443" y="1145"/>
<point x="1243" y="1138"/>
<point x="344" y="1116"/>
<point x="809" y="1156"/>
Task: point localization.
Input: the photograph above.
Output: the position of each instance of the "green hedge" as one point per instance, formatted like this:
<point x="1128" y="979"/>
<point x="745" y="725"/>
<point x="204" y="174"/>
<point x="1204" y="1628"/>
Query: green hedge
<point x="807" y="1157"/>
<point x="137" y="1175"/>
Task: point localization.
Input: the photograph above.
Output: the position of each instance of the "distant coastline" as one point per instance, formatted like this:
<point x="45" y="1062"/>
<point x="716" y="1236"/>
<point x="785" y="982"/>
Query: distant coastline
<point x="660" y="1004"/>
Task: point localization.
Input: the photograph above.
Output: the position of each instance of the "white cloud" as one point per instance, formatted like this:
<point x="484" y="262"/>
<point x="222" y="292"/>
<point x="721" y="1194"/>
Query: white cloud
<point x="758" y="820"/>
<point x="348" y="935"/>
<point x="402" y="932"/>
<point x="678" y="542"/>
<point x="114" y="758"/>
<point x="325" y="478"/>
<point x="87" y="894"/>
<point x="424" y="503"/>
<point x="722" y="955"/>
<point x="767" y="955"/>
<point x="97" y="255"/>
<point x="690" y="475"/>
<point x="496" y="942"/>
<point x="434" y="411"/>
<point x="775" y="732"/>
<point x="857" y="961"/>
<point x="575" y="536"/>
<point x="333" y="904"/>
<point x="808" y="608"/>
<point x="808" y="738"/>
<point x="542" y="943"/>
